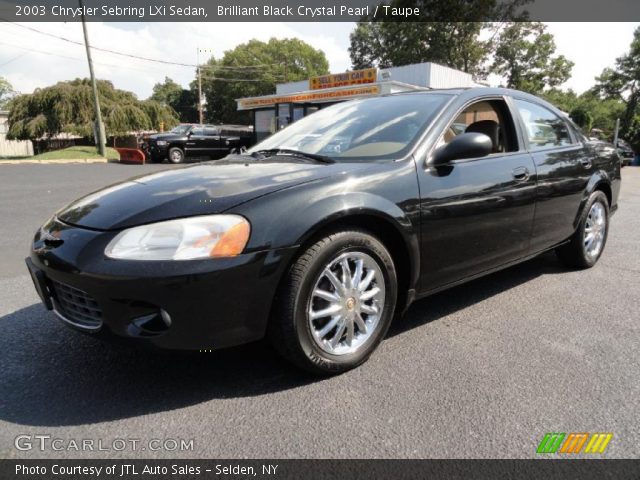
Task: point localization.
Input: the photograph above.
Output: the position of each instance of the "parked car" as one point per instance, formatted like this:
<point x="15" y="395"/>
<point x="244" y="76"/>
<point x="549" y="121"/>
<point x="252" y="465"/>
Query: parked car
<point x="318" y="247"/>
<point x="191" y="140"/>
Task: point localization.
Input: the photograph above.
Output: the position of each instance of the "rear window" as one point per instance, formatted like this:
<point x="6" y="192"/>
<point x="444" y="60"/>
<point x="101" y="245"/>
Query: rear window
<point x="544" y="128"/>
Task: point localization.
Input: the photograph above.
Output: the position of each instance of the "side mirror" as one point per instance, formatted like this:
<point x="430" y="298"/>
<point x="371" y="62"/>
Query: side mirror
<point x="465" y="145"/>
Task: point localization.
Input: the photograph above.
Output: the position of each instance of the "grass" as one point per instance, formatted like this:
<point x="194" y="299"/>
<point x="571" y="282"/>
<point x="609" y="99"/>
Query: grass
<point x="71" y="153"/>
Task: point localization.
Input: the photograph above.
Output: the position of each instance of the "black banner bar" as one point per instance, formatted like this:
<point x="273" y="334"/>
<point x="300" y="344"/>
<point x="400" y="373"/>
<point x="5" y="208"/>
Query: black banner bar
<point x="316" y="10"/>
<point x="319" y="469"/>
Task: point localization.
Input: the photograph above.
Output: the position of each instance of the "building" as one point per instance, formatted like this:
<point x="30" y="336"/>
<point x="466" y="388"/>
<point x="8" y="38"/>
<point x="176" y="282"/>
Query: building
<point x="12" y="148"/>
<point x="295" y="100"/>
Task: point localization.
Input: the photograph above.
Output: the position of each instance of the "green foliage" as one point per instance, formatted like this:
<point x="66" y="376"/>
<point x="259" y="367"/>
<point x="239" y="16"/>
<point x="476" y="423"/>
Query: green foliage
<point x="159" y="114"/>
<point x="6" y="93"/>
<point x="167" y="92"/>
<point x="253" y="69"/>
<point x="384" y="43"/>
<point x="587" y="110"/>
<point x="183" y="101"/>
<point x="622" y="83"/>
<point x="388" y="44"/>
<point x="581" y="116"/>
<point x="524" y="55"/>
<point x="68" y="107"/>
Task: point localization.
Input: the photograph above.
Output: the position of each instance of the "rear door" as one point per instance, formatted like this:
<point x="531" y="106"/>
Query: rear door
<point x="215" y="140"/>
<point x="476" y="214"/>
<point x="564" y="166"/>
<point x="196" y="144"/>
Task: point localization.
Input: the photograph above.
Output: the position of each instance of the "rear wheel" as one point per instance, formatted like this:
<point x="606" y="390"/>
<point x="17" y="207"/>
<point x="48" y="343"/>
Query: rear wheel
<point x="176" y="155"/>
<point x="335" y="304"/>
<point x="588" y="242"/>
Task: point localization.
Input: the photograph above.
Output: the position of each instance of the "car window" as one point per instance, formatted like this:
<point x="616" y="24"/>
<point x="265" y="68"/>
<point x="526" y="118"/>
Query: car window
<point x="210" y="131"/>
<point x="197" y="131"/>
<point x="181" y="129"/>
<point x="361" y="130"/>
<point x="490" y="117"/>
<point x="544" y="128"/>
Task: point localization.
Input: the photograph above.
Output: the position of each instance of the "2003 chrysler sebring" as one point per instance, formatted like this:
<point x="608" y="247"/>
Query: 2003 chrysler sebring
<point x="321" y="234"/>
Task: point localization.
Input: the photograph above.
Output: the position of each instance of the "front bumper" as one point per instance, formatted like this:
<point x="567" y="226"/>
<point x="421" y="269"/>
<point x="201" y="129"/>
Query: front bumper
<point x="156" y="152"/>
<point x="210" y="303"/>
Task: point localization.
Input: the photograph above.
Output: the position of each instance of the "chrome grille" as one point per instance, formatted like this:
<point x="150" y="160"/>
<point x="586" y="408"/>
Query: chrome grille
<point x="76" y="307"/>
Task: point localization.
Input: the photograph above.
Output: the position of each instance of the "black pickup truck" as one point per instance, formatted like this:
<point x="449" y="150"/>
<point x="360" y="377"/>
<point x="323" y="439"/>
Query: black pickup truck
<point x="194" y="140"/>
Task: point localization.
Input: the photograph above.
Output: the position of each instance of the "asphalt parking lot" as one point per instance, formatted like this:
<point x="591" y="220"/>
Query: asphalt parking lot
<point x="483" y="370"/>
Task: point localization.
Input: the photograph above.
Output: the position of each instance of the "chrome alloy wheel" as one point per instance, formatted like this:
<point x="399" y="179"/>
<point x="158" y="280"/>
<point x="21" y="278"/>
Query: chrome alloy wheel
<point x="176" y="156"/>
<point x="346" y="303"/>
<point x="595" y="229"/>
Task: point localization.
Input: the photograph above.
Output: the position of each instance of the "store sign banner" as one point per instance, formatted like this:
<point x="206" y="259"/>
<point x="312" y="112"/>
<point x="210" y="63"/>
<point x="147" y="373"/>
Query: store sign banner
<point x="354" y="77"/>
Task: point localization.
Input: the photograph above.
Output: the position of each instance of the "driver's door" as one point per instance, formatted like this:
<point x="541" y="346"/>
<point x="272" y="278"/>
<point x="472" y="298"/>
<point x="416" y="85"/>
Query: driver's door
<point x="476" y="214"/>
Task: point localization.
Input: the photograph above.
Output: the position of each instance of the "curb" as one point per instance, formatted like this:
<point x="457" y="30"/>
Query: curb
<point x="62" y="161"/>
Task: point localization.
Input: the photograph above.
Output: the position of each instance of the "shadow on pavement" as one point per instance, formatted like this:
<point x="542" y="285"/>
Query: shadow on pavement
<point x="53" y="376"/>
<point x="450" y="301"/>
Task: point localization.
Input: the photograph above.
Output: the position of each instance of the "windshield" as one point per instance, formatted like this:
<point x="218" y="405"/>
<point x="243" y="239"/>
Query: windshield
<point x="360" y="130"/>
<point x="181" y="129"/>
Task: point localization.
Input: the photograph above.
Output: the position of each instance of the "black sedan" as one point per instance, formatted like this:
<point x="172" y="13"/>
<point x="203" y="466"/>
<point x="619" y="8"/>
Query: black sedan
<point x="323" y="233"/>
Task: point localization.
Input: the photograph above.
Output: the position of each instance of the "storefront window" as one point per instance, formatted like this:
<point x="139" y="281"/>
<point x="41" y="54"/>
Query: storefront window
<point x="264" y="123"/>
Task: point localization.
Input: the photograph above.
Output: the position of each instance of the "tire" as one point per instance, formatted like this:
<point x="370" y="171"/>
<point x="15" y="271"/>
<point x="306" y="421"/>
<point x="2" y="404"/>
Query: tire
<point x="176" y="155"/>
<point x="580" y="252"/>
<point x="296" y="325"/>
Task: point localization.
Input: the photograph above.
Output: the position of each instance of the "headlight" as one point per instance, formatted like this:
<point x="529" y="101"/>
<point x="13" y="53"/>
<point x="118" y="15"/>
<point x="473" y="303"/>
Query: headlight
<point x="161" y="143"/>
<point x="208" y="236"/>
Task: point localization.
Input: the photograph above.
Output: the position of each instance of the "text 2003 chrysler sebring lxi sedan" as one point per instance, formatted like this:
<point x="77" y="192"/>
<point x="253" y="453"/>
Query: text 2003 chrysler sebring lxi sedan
<point x="321" y="233"/>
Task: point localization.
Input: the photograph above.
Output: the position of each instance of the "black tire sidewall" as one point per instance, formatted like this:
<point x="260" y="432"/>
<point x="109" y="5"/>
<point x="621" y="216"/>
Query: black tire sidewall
<point x="600" y="197"/>
<point x="347" y="242"/>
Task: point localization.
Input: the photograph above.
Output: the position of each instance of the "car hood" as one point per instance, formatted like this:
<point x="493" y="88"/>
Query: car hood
<point x="166" y="136"/>
<point x="193" y="190"/>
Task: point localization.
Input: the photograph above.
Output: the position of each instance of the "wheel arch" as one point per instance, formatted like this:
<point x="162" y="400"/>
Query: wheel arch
<point x="599" y="181"/>
<point x="403" y="250"/>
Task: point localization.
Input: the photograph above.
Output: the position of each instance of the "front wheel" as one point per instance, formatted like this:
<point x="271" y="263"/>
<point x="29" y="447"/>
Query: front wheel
<point x="587" y="243"/>
<point x="335" y="304"/>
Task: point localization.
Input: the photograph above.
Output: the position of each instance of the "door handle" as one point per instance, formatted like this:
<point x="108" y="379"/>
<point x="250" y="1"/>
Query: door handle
<point x="521" y="174"/>
<point x="586" y="163"/>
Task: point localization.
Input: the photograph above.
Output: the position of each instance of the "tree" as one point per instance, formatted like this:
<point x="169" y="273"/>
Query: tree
<point x="525" y="56"/>
<point x="6" y="93"/>
<point x="183" y="101"/>
<point x="388" y="44"/>
<point x="622" y="83"/>
<point x="253" y="69"/>
<point x="167" y="92"/>
<point x="587" y="110"/>
<point x="68" y="107"/>
<point x="582" y="117"/>
<point x="383" y="42"/>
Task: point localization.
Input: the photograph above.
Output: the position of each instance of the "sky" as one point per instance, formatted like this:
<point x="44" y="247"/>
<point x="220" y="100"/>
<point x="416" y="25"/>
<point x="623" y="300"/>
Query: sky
<point x="29" y="59"/>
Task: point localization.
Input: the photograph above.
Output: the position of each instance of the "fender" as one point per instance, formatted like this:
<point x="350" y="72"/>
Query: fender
<point x="597" y="178"/>
<point x="362" y="204"/>
<point x="293" y="216"/>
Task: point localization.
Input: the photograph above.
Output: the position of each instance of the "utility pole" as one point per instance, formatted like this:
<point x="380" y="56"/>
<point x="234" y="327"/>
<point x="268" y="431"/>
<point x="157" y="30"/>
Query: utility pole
<point x="100" y="135"/>
<point x="199" y="90"/>
<point x="615" y="135"/>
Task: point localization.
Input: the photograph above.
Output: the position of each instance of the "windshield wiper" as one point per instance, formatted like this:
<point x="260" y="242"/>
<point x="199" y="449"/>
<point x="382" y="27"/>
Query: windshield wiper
<point x="296" y="153"/>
